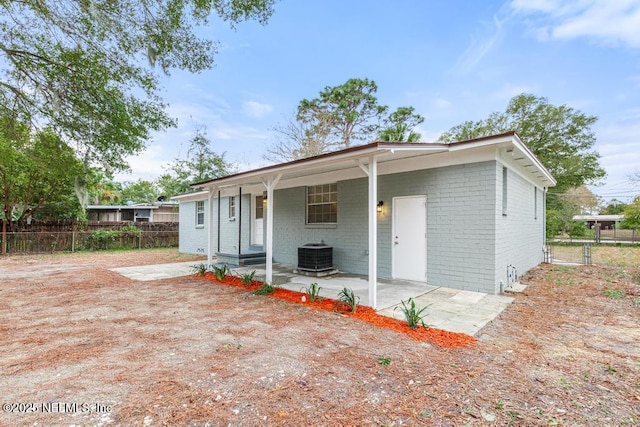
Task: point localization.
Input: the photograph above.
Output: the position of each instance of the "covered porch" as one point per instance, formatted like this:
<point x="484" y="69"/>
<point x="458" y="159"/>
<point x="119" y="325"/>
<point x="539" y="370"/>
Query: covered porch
<point x="449" y="309"/>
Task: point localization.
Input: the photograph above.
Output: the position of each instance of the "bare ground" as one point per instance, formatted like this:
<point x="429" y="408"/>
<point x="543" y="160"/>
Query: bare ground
<point x="82" y="345"/>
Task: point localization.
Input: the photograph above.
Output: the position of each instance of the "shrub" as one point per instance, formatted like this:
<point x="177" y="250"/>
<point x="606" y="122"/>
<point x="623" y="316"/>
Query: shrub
<point x="101" y="239"/>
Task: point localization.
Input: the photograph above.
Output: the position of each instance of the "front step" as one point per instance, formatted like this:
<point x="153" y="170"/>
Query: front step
<point x="241" y="260"/>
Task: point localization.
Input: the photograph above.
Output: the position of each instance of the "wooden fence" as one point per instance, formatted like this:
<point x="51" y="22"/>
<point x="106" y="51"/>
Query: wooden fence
<point x="70" y="241"/>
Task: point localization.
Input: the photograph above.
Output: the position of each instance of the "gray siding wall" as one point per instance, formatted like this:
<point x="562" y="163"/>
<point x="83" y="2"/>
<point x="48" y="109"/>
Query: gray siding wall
<point x="460" y="224"/>
<point x="192" y="239"/>
<point x="519" y="237"/>
<point x="229" y="239"/>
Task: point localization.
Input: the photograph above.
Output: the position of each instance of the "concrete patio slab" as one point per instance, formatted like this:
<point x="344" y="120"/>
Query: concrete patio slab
<point x="156" y="271"/>
<point x="449" y="309"/>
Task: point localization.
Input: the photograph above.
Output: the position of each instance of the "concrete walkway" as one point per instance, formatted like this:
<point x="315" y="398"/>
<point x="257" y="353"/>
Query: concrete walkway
<point x="449" y="309"/>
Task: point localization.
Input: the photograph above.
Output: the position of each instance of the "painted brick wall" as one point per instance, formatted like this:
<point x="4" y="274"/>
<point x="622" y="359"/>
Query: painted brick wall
<point x="520" y="236"/>
<point x="192" y="240"/>
<point x="460" y="224"/>
<point x="229" y="228"/>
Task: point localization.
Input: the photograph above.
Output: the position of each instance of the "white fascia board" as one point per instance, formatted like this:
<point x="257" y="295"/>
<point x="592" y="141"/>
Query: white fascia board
<point x="517" y="142"/>
<point x="256" y="176"/>
<point x="190" y="197"/>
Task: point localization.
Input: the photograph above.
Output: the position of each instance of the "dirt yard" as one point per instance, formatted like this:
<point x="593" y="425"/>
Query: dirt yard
<point x="82" y="345"/>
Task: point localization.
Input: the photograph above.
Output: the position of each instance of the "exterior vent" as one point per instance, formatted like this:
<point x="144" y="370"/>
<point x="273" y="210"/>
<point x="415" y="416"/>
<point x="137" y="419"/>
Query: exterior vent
<point x="315" y="257"/>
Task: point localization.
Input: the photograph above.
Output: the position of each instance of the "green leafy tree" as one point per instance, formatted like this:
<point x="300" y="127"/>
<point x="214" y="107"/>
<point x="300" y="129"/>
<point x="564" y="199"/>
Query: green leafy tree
<point x="350" y="111"/>
<point x="631" y="219"/>
<point x="561" y="137"/>
<point x="75" y="65"/>
<point x="140" y="191"/>
<point x="201" y="164"/>
<point x="36" y="170"/>
<point x="400" y="125"/>
<point x="614" y="207"/>
<point x="341" y="116"/>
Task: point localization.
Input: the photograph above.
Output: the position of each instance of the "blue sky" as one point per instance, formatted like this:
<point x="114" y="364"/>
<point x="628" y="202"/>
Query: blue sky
<point x="452" y="60"/>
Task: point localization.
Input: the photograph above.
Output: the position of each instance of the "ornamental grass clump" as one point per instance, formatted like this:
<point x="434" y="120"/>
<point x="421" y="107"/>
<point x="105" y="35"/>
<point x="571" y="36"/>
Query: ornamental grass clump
<point x="412" y="314"/>
<point x="265" y="289"/>
<point x="247" y="278"/>
<point x="347" y="297"/>
<point x="199" y="269"/>
<point x="313" y="291"/>
<point x="220" y="272"/>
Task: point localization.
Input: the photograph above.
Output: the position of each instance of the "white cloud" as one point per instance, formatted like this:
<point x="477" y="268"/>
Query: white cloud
<point x="611" y="22"/>
<point x="618" y="144"/>
<point x="480" y="46"/>
<point x="148" y="165"/>
<point x="256" y="109"/>
<point x="441" y="103"/>
<point x="508" y="91"/>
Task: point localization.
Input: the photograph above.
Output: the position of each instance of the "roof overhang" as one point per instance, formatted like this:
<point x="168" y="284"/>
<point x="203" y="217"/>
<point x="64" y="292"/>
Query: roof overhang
<point x="391" y="158"/>
<point x="189" y="197"/>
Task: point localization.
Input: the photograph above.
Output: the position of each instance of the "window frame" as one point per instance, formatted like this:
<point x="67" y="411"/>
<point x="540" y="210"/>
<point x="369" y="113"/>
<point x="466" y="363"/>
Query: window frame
<point x="200" y="214"/>
<point x="320" y="192"/>
<point x="505" y="192"/>
<point x="232" y="208"/>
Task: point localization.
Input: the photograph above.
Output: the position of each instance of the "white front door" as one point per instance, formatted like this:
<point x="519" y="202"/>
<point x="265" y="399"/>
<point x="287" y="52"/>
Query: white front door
<point x="258" y="221"/>
<point x="410" y="238"/>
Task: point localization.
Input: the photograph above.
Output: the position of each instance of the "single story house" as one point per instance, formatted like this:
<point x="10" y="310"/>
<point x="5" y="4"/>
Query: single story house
<point x="466" y="215"/>
<point x="607" y="222"/>
<point x="166" y="211"/>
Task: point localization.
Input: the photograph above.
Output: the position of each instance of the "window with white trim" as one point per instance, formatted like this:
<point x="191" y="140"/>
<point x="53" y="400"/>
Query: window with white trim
<point x="232" y="207"/>
<point x="200" y="213"/>
<point x="535" y="202"/>
<point x="504" y="190"/>
<point x="322" y="204"/>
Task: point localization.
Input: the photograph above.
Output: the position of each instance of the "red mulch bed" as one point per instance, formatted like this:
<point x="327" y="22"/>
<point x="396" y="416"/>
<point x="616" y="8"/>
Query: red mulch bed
<point x="442" y="338"/>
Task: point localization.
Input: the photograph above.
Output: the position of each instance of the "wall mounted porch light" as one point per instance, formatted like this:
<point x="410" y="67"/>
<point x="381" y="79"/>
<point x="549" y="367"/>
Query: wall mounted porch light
<point x="379" y="206"/>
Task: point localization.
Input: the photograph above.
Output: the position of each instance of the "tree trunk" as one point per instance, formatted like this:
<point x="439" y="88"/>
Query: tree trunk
<point x="4" y="237"/>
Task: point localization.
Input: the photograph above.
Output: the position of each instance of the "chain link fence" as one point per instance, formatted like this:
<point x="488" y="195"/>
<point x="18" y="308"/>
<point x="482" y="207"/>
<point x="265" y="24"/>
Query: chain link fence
<point x="592" y="253"/>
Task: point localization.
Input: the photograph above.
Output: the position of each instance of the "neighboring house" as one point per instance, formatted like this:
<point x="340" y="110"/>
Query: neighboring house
<point x="464" y="215"/>
<point x="607" y="222"/>
<point x="141" y="212"/>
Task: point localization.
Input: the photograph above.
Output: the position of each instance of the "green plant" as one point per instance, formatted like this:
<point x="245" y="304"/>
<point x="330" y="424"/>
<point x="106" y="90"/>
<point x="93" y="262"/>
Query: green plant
<point x="412" y="314"/>
<point x="101" y="239"/>
<point x="636" y="302"/>
<point x="265" y="289"/>
<point x="130" y="230"/>
<point x="313" y="291"/>
<point x="615" y="293"/>
<point x="220" y="272"/>
<point x="199" y="269"/>
<point x="384" y="361"/>
<point x="247" y="278"/>
<point x="499" y="404"/>
<point x="347" y="297"/>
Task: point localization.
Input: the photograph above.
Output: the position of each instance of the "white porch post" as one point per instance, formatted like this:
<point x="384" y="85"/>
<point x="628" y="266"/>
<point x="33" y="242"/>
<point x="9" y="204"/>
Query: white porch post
<point x="270" y="184"/>
<point x="210" y="227"/>
<point x="373" y="232"/>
